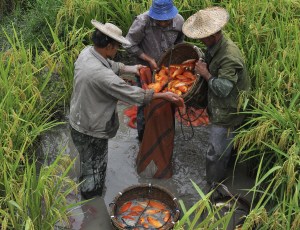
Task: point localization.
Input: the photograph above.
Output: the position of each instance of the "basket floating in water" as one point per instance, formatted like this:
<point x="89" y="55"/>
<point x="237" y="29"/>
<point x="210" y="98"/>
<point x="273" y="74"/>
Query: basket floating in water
<point x="144" y="206"/>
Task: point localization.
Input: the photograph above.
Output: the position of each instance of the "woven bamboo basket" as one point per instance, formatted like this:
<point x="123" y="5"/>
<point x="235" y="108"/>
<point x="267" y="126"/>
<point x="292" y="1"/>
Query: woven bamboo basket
<point x="145" y="191"/>
<point x="197" y="95"/>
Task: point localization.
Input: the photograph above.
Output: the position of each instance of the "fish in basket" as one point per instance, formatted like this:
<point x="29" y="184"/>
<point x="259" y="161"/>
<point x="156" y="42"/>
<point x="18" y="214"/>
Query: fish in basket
<point x="144" y="207"/>
<point x="176" y="74"/>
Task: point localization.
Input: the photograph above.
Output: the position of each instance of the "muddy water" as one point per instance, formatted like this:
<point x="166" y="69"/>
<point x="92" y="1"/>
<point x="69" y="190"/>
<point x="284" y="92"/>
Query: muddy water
<point x="188" y="159"/>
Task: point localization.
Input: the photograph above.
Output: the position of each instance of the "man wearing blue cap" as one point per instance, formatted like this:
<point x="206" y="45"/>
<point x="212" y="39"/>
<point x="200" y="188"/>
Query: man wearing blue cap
<point x="150" y="35"/>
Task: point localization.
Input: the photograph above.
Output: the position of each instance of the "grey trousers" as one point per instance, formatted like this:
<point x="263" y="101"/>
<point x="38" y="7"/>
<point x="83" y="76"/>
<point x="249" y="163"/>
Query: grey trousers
<point x="93" y="162"/>
<point x="218" y="152"/>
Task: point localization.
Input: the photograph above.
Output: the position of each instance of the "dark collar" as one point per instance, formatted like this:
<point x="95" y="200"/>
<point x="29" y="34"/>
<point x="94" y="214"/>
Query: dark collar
<point x="213" y="49"/>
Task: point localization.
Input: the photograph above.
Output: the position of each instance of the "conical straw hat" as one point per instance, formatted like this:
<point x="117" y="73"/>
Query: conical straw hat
<point x="205" y="22"/>
<point x="111" y="30"/>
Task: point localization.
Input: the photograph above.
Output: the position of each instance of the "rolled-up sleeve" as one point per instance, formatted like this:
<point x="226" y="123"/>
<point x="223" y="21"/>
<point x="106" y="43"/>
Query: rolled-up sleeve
<point x="227" y="76"/>
<point x="221" y="87"/>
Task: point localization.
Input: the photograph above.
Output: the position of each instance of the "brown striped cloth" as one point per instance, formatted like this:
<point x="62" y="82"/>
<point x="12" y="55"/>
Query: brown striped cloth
<point x="154" y="159"/>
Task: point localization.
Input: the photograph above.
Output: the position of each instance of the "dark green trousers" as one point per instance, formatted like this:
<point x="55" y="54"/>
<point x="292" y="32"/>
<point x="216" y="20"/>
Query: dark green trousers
<point x="93" y="162"/>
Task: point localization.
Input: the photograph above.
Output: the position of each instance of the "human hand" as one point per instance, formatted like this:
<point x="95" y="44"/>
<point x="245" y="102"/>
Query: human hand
<point x="174" y="98"/>
<point x="137" y="70"/>
<point x="202" y="70"/>
<point x="153" y="64"/>
<point x="150" y="60"/>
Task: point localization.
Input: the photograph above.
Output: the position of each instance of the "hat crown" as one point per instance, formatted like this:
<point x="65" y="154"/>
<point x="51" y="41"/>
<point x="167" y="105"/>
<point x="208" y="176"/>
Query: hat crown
<point x="205" y="22"/>
<point x="162" y="10"/>
<point x="112" y="29"/>
<point x="161" y="6"/>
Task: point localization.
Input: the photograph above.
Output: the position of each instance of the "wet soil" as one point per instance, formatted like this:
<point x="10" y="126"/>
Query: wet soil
<point x="188" y="163"/>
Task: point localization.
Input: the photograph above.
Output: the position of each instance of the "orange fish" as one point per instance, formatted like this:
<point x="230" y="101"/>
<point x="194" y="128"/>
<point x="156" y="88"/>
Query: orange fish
<point x="145" y="225"/>
<point x="143" y="203"/>
<point x="125" y="207"/>
<point x="167" y="215"/>
<point x="154" y="222"/>
<point x="142" y="220"/>
<point x="152" y="211"/>
<point x="157" y="204"/>
<point x="137" y="209"/>
<point x="180" y="77"/>
<point x="189" y="74"/>
<point x="178" y="71"/>
<point x="189" y="64"/>
<point x="178" y="92"/>
<point x="133" y="213"/>
<point x="131" y="122"/>
<point x="157" y="87"/>
<point x="127" y="217"/>
<point x="183" y="88"/>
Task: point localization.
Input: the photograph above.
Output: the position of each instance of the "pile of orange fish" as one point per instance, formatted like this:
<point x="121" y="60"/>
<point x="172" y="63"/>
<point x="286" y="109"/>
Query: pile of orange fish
<point x="175" y="78"/>
<point x="141" y="214"/>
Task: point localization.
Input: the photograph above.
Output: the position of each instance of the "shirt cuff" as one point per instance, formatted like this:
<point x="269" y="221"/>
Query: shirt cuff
<point x="148" y="96"/>
<point x="210" y="81"/>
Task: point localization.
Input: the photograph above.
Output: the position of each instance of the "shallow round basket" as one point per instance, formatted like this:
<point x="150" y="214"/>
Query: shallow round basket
<point x="145" y="191"/>
<point x="197" y="95"/>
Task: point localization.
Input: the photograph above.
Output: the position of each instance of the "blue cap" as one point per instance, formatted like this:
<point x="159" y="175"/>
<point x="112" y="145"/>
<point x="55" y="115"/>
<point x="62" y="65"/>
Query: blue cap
<point x="162" y="10"/>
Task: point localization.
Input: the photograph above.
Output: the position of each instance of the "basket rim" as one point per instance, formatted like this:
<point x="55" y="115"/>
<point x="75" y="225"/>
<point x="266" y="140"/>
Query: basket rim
<point x="145" y="186"/>
<point x="166" y="53"/>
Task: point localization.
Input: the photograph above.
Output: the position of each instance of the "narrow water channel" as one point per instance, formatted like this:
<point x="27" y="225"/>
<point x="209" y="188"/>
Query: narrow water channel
<point x="189" y="164"/>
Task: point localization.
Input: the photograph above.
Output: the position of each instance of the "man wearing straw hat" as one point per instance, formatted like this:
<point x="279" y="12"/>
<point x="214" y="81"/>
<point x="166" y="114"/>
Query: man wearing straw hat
<point x="150" y="35"/>
<point x="225" y="71"/>
<point x="93" y="114"/>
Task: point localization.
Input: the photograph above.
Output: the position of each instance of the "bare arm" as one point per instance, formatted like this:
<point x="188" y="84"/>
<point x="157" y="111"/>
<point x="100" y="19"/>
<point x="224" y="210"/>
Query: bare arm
<point x="150" y="60"/>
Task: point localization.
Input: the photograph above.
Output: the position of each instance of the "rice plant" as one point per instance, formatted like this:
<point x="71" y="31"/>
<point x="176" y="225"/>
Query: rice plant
<point x="266" y="31"/>
<point x="204" y="214"/>
<point x="29" y="198"/>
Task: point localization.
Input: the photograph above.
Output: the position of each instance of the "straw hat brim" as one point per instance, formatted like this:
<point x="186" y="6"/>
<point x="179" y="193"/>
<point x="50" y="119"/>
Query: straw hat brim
<point x="110" y="30"/>
<point x="205" y="22"/>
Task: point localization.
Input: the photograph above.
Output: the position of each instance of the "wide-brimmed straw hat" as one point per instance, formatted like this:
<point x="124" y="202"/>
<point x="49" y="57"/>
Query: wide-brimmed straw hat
<point x="205" y="22"/>
<point x="162" y="10"/>
<point x="111" y="31"/>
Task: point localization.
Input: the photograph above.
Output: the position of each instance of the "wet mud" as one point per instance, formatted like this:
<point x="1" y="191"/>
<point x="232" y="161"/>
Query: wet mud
<point x="188" y="164"/>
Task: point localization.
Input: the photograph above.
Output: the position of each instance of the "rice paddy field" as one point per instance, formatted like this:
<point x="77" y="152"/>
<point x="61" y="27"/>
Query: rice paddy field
<point x="39" y="42"/>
